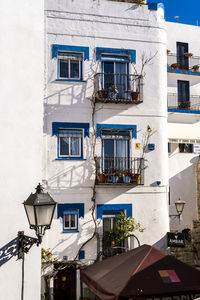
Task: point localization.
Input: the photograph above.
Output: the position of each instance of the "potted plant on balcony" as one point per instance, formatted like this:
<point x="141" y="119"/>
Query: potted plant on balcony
<point x="102" y="178"/>
<point x="187" y="54"/>
<point x="113" y="92"/>
<point x="136" y="178"/>
<point x="135" y="96"/>
<point x="127" y="175"/>
<point x="184" y="105"/>
<point x="103" y="94"/>
<point x="115" y="176"/>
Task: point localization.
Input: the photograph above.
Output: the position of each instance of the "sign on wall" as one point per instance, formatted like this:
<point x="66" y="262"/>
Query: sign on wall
<point x="175" y="239"/>
<point x="137" y="146"/>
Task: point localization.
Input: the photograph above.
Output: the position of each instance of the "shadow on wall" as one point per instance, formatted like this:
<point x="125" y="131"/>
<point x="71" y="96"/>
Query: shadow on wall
<point x="183" y="185"/>
<point x="78" y="239"/>
<point x="8" y="251"/>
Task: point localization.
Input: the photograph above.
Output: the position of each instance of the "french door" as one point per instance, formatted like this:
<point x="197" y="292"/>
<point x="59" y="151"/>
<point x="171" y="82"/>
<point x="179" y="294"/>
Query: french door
<point x="182" y="60"/>
<point x="115" y="76"/>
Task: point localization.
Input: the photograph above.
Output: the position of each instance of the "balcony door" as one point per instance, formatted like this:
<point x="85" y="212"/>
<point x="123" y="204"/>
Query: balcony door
<point x="111" y="246"/>
<point x="115" y="150"/>
<point x="183" y="91"/>
<point x="182" y="60"/>
<point x="115" y="78"/>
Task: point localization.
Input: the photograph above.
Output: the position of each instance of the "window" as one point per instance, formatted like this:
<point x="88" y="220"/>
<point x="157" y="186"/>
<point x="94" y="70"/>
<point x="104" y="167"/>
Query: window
<point x="70" y="65"/>
<point x="183" y="92"/>
<point x="70" y="214"/>
<point x="70" y="220"/>
<point x="109" y="241"/>
<point x="115" y="144"/>
<point x="186" y="148"/>
<point x="182" y="60"/>
<point x="70" y="142"/>
<point x="115" y="77"/>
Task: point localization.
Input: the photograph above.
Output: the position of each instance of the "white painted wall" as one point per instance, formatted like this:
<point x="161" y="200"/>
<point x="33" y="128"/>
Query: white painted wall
<point x="110" y="25"/>
<point x="21" y="113"/>
<point x="182" y="166"/>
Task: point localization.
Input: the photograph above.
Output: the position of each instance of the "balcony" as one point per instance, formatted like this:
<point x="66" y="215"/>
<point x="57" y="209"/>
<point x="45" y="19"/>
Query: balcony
<point x="192" y="104"/>
<point x="114" y="247"/>
<point x="120" y="171"/>
<point x="118" y="88"/>
<point x="186" y="63"/>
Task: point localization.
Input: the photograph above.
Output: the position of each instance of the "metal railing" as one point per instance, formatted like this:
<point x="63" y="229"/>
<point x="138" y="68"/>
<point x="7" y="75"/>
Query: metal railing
<point x="183" y="62"/>
<point x="114" y="247"/>
<point x="118" y="88"/>
<point x="193" y="103"/>
<point x="120" y="170"/>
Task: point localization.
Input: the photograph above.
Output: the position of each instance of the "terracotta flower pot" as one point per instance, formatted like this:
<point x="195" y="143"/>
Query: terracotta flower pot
<point x="136" y="178"/>
<point x="102" y="178"/>
<point x="103" y="94"/>
<point x="135" y="96"/>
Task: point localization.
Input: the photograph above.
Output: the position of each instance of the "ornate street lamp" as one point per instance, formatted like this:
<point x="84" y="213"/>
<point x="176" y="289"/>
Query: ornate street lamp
<point x="39" y="209"/>
<point x="179" y="208"/>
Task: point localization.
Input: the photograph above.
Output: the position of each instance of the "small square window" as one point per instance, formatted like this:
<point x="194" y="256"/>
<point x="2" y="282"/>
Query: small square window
<point x="70" y="65"/>
<point x="70" y="220"/>
<point x="185" y="148"/>
<point x="70" y="142"/>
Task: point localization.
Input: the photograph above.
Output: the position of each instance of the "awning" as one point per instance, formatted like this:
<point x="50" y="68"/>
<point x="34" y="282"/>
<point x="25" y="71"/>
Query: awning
<point x="142" y="273"/>
<point x="184" y="133"/>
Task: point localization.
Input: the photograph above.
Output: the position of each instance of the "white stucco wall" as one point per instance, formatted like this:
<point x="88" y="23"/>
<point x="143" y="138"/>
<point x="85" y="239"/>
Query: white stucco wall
<point x="21" y="114"/>
<point x="110" y="25"/>
<point x="183" y="126"/>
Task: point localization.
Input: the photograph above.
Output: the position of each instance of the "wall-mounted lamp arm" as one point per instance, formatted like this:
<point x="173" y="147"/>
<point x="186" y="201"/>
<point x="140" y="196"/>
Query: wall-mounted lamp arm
<point x="25" y="243"/>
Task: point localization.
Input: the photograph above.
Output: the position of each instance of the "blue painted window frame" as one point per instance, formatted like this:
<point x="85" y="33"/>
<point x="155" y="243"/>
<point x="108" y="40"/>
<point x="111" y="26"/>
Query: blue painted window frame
<point x="101" y="208"/>
<point x="69" y="207"/>
<point x="169" y="148"/>
<point x="186" y="85"/>
<point x="72" y="50"/>
<point x="56" y="126"/>
<point x="71" y="212"/>
<point x="131" y="128"/>
<point x="116" y="51"/>
<point x="69" y="156"/>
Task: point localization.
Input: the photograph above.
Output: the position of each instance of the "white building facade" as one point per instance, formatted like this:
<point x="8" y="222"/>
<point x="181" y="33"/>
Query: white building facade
<point x="22" y="83"/>
<point x="100" y="107"/>
<point x="183" y="120"/>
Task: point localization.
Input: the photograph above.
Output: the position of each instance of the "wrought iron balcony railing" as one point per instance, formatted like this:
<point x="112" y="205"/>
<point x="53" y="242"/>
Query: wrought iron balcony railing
<point x="112" y="247"/>
<point x="193" y="102"/>
<point x="118" y="88"/>
<point x="120" y="170"/>
<point x="186" y="62"/>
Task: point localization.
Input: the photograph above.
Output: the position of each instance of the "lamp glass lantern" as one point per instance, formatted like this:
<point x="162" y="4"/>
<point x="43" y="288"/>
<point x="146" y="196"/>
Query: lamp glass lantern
<point x="179" y="206"/>
<point x="39" y="209"/>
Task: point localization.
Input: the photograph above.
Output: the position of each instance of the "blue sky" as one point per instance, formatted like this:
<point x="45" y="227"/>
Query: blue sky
<point x="187" y="10"/>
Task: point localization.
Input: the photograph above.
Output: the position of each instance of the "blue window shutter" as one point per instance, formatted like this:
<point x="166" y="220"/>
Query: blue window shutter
<point x="192" y="148"/>
<point x="169" y="147"/>
<point x="114" y="207"/>
<point x="81" y="254"/>
<point x="57" y="125"/>
<point x="70" y="206"/>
